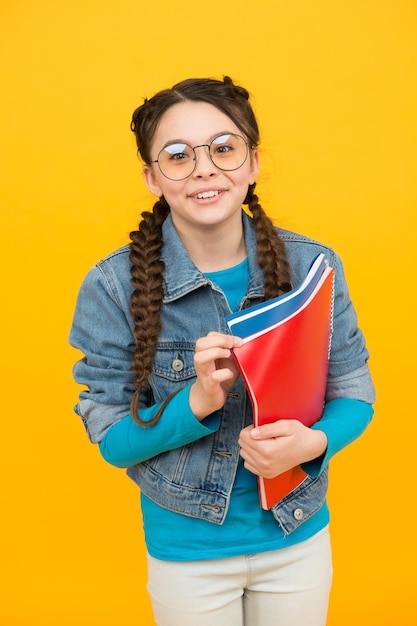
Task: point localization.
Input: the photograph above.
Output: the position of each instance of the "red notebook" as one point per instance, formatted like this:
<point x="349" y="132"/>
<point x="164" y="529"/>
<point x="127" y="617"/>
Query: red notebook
<point x="284" y="362"/>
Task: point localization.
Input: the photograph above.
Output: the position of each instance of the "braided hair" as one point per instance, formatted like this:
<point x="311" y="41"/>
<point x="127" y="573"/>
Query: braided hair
<point x="147" y="268"/>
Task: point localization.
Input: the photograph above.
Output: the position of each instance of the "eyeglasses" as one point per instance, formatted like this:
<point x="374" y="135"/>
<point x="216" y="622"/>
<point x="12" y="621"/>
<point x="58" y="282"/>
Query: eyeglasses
<point x="178" y="160"/>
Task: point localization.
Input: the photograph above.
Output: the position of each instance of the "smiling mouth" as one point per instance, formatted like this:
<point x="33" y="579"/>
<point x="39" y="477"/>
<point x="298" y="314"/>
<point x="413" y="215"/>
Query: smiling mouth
<point x="207" y="194"/>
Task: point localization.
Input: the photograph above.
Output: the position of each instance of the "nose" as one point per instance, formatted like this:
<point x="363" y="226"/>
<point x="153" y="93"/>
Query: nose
<point x="204" y="166"/>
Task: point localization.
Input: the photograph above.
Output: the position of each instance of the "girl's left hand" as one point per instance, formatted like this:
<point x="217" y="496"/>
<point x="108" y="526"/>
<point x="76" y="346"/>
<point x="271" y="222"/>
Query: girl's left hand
<point x="272" y="449"/>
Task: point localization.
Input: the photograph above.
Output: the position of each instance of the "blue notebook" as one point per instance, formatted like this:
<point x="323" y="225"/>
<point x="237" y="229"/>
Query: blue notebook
<point x="262" y="316"/>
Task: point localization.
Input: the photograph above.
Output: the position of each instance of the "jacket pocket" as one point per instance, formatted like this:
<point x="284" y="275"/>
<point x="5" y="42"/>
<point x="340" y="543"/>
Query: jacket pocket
<point x="173" y="368"/>
<point x="301" y="504"/>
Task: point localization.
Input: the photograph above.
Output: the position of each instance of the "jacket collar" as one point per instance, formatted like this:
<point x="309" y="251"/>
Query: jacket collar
<point x="181" y="276"/>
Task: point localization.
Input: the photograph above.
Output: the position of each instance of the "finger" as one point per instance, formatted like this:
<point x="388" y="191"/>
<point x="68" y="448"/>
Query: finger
<point x="245" y="438"/>
<point x="215" y="339"/>
<point x="280" y="428"/>
<point x="222" y="375"/>
<point x="251" y="448"/>
<point x="211" y="355"/>
<point x="258" y="464"/>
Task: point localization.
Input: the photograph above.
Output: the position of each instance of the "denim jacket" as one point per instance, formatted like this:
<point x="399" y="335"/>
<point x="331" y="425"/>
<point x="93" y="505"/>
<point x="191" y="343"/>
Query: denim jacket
<point x="197" y="479"/>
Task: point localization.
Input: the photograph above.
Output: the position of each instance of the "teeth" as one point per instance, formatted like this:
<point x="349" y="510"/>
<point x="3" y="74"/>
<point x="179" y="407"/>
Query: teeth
<point x="208" y="194"/>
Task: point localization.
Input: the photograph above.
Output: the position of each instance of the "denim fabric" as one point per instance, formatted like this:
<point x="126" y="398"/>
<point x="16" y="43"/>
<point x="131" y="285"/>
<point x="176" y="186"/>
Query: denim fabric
<point x="197" y="479"/>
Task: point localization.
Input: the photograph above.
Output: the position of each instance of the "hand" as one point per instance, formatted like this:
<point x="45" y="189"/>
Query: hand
<point x="272" y="449"/>
<point x="216" y="373"/>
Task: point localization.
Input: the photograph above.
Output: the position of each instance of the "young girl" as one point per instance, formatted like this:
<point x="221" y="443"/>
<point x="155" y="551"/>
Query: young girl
<point x="180" y="420"/>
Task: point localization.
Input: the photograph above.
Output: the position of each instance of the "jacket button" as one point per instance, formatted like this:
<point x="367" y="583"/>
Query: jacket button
<point x="298" y="514"/>
<point x="177" y="365"/>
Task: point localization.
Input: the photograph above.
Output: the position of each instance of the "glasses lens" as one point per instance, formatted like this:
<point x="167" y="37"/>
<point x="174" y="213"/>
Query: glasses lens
<point x="228" y="152"/>
<point x="176" y="161"/>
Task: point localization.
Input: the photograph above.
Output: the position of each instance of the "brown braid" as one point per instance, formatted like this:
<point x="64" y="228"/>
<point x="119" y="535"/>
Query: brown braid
<point x="146" y="299"/>
<point x="272" y="256"/>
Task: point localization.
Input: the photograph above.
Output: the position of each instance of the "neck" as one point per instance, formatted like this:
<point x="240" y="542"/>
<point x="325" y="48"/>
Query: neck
<point x="214" y="249"/>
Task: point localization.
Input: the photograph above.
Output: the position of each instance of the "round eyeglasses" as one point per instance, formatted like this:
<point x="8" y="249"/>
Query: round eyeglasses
<point x="178" y="160"/>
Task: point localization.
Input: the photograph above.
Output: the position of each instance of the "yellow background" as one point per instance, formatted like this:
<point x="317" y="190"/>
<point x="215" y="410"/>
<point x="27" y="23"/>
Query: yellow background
<point x="334" y="87"/>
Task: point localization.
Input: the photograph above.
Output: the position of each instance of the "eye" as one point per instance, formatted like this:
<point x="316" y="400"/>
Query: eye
<point x="223" y="149"/>
<point x="223" y="145"/>
<point x="177" y="152"/>
<point x="178" y="156"/>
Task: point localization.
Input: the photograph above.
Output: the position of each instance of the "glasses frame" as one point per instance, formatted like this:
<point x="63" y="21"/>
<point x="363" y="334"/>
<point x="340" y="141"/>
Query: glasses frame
<point x="205" y="145"/>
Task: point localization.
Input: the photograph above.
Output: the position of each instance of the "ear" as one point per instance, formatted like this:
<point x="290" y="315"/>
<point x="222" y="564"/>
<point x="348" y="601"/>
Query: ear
<point x="254" y="166"/>
<point x="150" y="181"/>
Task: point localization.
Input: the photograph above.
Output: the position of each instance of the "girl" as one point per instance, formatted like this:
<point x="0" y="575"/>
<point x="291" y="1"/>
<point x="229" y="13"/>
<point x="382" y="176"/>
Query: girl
<point x="179" y="420"/>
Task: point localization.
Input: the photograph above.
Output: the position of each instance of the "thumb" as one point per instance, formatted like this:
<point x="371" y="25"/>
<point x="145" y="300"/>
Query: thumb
<point x="280" y="428"/>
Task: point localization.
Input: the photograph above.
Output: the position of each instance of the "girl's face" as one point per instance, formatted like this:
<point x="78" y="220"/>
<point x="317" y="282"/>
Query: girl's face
<point x="197" y="123"/>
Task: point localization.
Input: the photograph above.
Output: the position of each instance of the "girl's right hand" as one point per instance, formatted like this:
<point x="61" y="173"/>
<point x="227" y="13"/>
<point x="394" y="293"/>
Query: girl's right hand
<point x="216" y="373"/>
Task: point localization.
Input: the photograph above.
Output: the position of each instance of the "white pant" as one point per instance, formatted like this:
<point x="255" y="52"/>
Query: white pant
<point x="285" y="587"/>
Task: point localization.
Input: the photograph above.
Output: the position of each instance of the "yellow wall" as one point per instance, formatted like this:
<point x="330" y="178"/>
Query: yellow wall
<point x="335" y="91"/>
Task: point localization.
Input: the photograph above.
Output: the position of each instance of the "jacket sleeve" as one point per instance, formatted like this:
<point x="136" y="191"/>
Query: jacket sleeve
<point x="349" y="375"/>
<point x="103" y="334"/>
